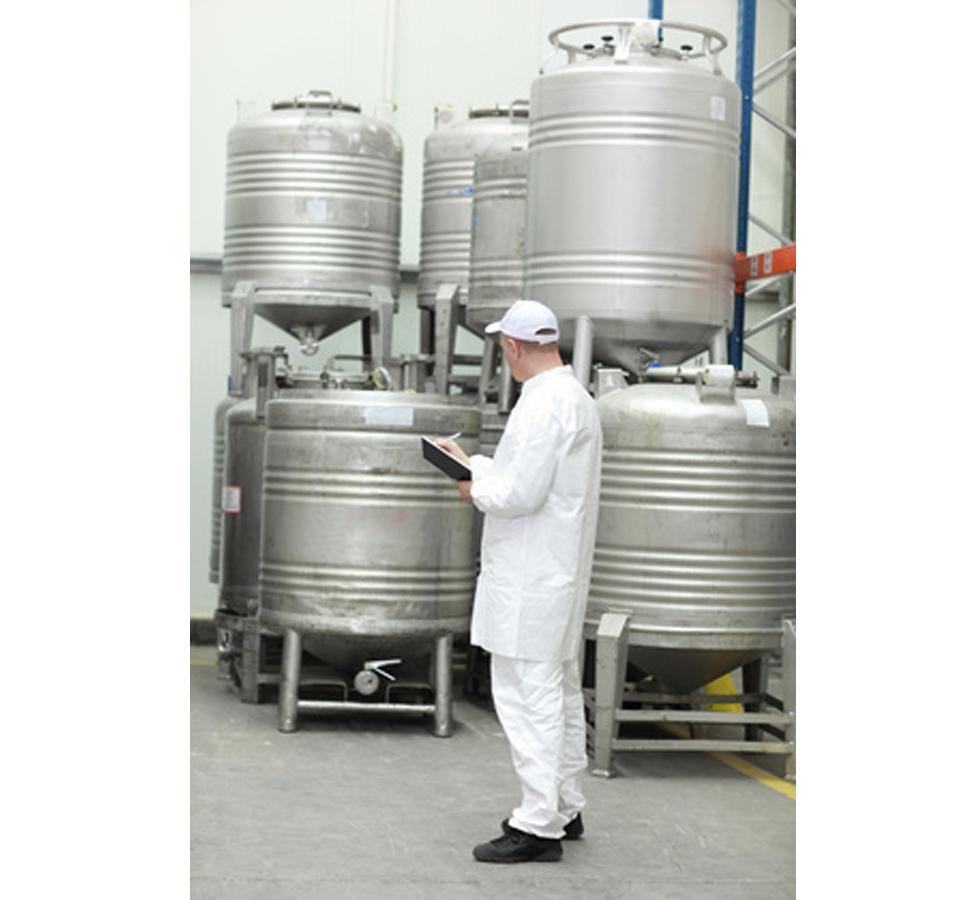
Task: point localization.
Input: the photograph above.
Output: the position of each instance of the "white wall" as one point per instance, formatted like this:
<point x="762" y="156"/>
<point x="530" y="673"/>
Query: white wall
<point x="464" y="52"/>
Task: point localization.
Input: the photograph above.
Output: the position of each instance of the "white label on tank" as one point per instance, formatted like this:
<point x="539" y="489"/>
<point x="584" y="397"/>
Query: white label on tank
<point x="755" y="413"/>
<point x="401" y="416"/>
<point x="231" y="499"/>
<point x="318" y="211"/>
<point x="718" y="108"/>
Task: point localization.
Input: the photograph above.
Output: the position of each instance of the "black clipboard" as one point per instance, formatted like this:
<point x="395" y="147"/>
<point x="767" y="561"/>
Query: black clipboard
<point x="448" y="463"/>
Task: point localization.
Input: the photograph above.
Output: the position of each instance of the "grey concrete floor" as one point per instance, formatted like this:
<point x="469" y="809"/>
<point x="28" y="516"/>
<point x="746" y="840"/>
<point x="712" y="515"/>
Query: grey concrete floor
<point x="363" y="808"/>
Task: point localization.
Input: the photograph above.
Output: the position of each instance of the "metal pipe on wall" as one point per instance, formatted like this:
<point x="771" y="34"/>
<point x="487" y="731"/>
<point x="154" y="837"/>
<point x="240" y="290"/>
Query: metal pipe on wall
<point x="745" y="76"/>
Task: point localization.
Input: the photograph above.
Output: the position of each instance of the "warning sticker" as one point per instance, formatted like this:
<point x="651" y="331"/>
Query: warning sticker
<point x="231" y="499"/>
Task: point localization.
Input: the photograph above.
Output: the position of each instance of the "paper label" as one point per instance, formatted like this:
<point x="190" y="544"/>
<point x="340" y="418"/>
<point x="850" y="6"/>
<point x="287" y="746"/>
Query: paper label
<point x="231" y="499"/>
<point x="755" y="413"/>
<point x="400" y="416"/>
<point x="767" y="263"/>
<point x="718" y="108"/>
<point x="318" y="211"/>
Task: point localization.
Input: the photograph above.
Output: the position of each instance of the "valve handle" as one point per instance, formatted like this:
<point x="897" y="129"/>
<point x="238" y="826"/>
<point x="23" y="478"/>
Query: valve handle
<point x="374" y="665"/>
<point x="626" y="30"/>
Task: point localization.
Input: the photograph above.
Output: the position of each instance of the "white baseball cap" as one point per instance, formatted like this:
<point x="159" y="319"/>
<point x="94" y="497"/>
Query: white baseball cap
<point x="527" y="320"/>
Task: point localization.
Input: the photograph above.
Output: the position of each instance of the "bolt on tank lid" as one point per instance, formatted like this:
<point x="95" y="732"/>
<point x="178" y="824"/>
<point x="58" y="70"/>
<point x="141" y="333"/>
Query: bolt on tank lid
<point x="316" y="100"/>
<point x="518" y="109"/>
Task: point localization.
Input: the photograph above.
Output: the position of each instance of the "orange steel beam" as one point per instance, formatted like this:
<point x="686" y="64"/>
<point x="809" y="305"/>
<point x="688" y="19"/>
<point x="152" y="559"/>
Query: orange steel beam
<point x="764" y="265"/>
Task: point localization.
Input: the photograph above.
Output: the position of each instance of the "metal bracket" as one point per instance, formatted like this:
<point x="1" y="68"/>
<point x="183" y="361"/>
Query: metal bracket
<point x="446" y="306"/>
<point x="242" y="319"/>
<point x="382" y="316"/>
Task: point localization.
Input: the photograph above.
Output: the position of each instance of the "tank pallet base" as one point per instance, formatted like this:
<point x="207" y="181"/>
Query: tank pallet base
<point x="248" y="654"/>
<point x="764" y="714"/>
<point x="290" y="704"/>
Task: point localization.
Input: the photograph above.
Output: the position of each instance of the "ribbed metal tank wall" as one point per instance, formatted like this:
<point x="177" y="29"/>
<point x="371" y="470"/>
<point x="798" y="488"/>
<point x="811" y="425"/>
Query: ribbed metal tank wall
<point x="447" y="194"/>
<point x="217" y="479"/>
<point x="697" y="524"/>
<point x="361" y="536"/>
<point x="497" y="245"/>
<point x="313" y="212"/>
<point x="632" y="201"/>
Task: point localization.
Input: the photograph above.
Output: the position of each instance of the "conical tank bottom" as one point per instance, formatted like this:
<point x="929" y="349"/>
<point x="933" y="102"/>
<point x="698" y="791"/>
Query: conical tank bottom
<point x="685" y="671"/>
<point x="316" y="321"/>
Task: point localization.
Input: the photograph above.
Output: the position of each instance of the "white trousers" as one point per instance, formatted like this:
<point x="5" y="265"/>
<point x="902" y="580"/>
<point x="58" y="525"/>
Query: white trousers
<point x="540" y="707"/>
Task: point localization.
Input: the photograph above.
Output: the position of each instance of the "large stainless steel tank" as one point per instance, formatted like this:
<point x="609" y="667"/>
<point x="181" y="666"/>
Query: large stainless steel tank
<point x="217" y="476"/>
<point x="497" y="245"/>
<point x="312" y="212"/>
<point x="697" y="524"/>
<point x="362" y="537"/>
<point x="632" y="190"/>
<point x="447" y="194"/>
<point x="242" y="485"/>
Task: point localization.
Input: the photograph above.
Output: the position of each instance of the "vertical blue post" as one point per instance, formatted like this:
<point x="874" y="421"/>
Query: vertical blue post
<point x="656" y="9"/>
<point x="745" y="74"/>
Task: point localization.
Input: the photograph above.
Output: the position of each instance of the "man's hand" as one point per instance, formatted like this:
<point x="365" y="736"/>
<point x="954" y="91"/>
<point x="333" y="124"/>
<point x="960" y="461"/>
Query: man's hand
<point x="465" y="488"/>
<point x="453" y="448"/>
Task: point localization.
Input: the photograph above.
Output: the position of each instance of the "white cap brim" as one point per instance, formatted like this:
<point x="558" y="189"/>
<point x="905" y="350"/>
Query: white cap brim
<point x="492" y="328"/>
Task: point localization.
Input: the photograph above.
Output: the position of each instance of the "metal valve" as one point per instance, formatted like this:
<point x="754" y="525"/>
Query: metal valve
<point x="366" y="682"/>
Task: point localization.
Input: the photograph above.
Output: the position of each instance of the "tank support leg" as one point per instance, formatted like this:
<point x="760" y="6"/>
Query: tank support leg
<point x="426" y="331"/>
<point x="292" y="651"/>
<point x="251" y="660"/>
<point x="443" y="665"/>
<point x="487" y="368"/>
<point x="755" y="680"/>
<point x="381" y="318"/>
<point x="447" y="319"/>
<point x="789" y="692"/>
<point x="719" y="348"/>
<point x="582" y="352"/>
<point x="612" y="652"/>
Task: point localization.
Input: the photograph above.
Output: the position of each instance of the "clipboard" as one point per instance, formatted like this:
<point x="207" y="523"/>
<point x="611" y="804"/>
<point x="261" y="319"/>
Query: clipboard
<point x="448" y="463"/>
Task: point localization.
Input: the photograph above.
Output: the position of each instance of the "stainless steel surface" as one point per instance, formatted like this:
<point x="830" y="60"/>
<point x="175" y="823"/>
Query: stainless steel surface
<point x="292" y="652"/>
<point x="243" y="459"/>
<point x="443" y="670"/>
<point x="497" y="246"/>
<point x="582" y="351"/>
<point x="312" y="213"/>
<point x="241" y="533"/>
<point x="719" y="348"/>
<point x="447" y="195"/>
<point x="632" y="199"/>
<point x="361" y="536"/>
<point x="697" y="526"/>
<point x="217" y="479"/>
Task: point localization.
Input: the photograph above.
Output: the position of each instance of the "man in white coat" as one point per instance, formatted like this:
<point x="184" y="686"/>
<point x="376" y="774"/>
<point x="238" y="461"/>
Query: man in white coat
<point x="540" y="494"/>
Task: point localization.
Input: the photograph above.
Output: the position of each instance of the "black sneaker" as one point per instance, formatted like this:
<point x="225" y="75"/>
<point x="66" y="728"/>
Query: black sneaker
<point x="518" y="846"/>
<point x="573" y="830"/>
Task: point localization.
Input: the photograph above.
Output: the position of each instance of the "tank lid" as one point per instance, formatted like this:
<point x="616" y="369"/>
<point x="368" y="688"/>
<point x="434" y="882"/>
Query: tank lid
<point x="517" y="110"/>
<point x="316" y="100"/>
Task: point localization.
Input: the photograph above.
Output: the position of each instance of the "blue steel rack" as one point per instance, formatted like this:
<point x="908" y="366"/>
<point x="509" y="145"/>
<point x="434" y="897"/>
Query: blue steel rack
<point x="745" y="77"/>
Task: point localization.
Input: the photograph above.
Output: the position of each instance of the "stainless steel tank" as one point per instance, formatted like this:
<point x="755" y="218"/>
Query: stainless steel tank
<point x="447" y="196"/>
<point x="362" y="538"/>
<point x="497" y="244"/>
<point x="242" y="489"/>
<point x="312" y="212"/>
<point x="632" y="191"/>
<point x="217" y="479"/>
<point x="697" y="524"/>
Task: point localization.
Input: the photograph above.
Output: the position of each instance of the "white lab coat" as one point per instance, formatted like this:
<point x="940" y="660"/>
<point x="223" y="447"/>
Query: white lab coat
<point x="540" y="494"/>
